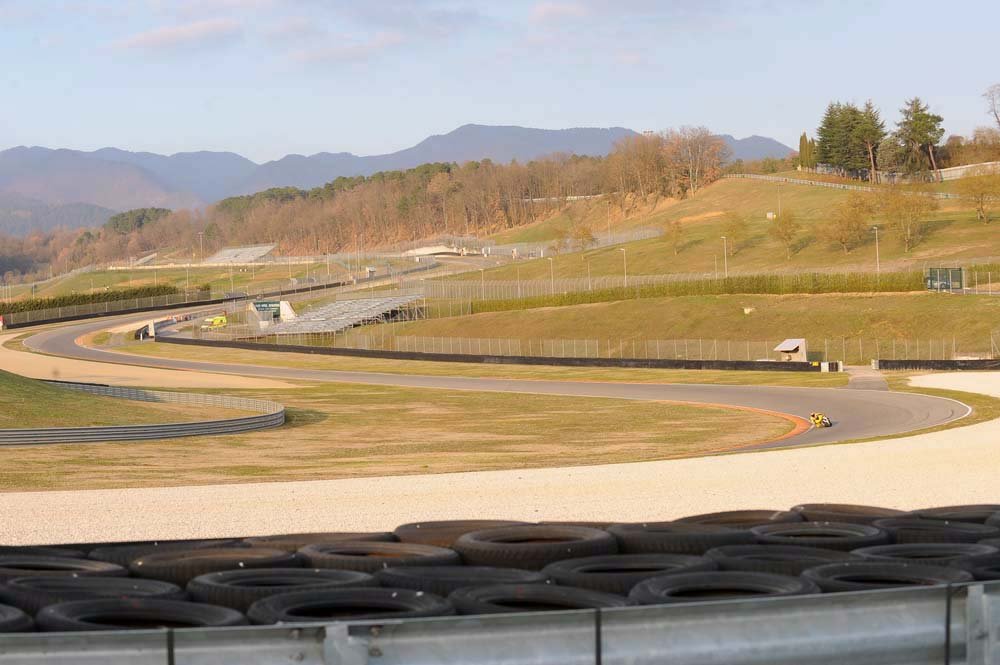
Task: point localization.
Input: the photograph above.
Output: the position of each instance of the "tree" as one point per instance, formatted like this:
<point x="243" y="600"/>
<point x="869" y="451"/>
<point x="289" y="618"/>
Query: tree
<point x="695" y="154"/>
<point x="675" y="233"/>
<point x="848" y="223"/>
<point x="837" y="142"/>
<point x="992" y="96"/>
<point x="736" y="231"/>
<point x="581" y="236"/>
<point x="869" y="132"/>
<point x="906" y="211"/>
<point x="891" y="154"/>
<point x="919" y="131"/>
<point x="807" y="152"/>
<point x="784" y="229"/>
<point x="983" y="190"/>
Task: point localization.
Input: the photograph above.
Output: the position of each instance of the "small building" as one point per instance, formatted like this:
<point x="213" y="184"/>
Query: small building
<point x="793" y="350"/>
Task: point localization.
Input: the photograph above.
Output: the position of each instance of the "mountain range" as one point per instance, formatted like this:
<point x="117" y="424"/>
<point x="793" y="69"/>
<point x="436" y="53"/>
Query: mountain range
<point x="42" y="188"/>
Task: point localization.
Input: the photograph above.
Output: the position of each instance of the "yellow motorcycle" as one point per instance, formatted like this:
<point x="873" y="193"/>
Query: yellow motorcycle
<point x="820" y="420"/>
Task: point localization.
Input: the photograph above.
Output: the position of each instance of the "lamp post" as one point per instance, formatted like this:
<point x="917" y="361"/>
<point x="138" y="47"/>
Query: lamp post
<point x="552" y="276"/>
<point x="518" y="269"/>
<point x="878" y="264"/>
<point x="610" y="237"/>
<point x="624" y="264"/>
<point x="725" y="257"/>
<point x="482" y="282"/>
<point x="201" y="244"/>
<point x="587" y="259"/>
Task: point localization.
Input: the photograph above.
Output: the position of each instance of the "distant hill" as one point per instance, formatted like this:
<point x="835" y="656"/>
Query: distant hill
<point x="755" y="147"/>
<point x="81" y="188"/>
<point x="467" y="143"/>
<point x="20" y="215"/>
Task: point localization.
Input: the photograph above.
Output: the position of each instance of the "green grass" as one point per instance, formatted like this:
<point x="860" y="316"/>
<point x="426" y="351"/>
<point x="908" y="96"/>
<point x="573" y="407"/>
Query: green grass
<point x="521" y="372"/>
<point x="339" y="431"/>
<point x="965" y="320"/>
<point x="27" y="403"/>
<point x="952" y="234"/>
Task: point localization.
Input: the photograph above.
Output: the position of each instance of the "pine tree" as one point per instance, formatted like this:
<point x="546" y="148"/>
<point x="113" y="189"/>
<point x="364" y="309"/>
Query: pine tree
<point x="869" y="132"/>
<point x="920" y="131"/>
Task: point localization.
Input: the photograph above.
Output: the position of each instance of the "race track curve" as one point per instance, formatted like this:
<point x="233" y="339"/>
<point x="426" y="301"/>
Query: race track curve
<point x="857" y="414"/>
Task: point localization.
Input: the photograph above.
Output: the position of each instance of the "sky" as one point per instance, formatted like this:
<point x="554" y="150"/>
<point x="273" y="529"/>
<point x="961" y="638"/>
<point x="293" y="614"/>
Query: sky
<point x="265" y="78"/>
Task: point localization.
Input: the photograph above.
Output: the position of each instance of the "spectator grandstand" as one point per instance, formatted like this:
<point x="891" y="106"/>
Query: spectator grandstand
<point x="344" y="314"/>
<point x="250" y="254"/>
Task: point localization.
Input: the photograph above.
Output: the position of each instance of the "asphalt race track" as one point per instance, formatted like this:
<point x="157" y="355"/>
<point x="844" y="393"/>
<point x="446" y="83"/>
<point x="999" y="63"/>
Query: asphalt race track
<point x="857" y="414"/>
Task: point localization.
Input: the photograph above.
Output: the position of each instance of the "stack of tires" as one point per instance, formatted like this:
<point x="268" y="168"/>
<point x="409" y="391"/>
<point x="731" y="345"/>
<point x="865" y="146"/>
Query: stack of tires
<point x="487" y="567"/>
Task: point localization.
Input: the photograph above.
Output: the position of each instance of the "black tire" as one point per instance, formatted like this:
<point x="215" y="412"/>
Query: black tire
<point x="182" y="566"/>
<point x="916" y="530"/>
<point x="744" y="519"/>
<point x="347" y="605"/>
<point x="775" y="559"/>
<point x="31" y="594"/>
<point x="719" y="585"/>
<point x="293" y="542"/>
<point x="371" y="557"/>
<point x="987" y="568"/>
<point x="445" y="533"/>
<point x="863" y="575"/>
<point x="930" y="554"/>
<point x="13" y="565"/>
<point x="239" y="589"/>
<point x="978" y="513"/>
<point x="442" y="580"/>
<point x="134" y="614"/>
<point x="124" y="554"/>
<point x="14" y="620"/>
<point x="506" y="598"/>
<point x="532" y="547"/>
<point x="845" y="513"/>
<point x="618" y="573"/>
<point x="42" y="550"/>
<point x="827" y="535"/>
<point x="676" y="537"/>
<point x="590" y="525"/>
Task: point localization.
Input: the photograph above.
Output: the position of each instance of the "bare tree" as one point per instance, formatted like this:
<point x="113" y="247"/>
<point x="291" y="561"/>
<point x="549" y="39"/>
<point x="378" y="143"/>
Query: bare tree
<point x="992" y="96"/>
<point x="695" y="154"/>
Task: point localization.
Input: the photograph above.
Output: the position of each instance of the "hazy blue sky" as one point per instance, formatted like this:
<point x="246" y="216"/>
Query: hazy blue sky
<point x="269" y="77"/>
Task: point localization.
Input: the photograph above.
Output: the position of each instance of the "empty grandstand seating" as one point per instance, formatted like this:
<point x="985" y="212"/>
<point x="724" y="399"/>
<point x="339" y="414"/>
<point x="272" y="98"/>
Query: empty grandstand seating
<point x="342" y="314"/>
<point x="240" y="254"/>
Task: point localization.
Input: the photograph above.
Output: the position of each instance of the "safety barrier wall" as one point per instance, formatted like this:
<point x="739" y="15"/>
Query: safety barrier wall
<point x="271" y="414"/>
<point x="751" y="365"/>
<point x="943" y="625"/>
<point x="971" y="364"/>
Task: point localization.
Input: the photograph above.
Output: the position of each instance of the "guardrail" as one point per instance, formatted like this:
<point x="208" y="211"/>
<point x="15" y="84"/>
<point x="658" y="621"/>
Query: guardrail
<point x="829" y="185"/>
<point x="917" y="626"/>
<point x="272" y="414"/>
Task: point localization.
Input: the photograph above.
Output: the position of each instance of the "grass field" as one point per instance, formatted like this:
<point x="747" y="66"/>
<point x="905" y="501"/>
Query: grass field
<point x="967" y="320"/>
<point x="26" y="403"/>
<point x="521" y="372"/>
<point x="344" y="431"/>
<point x="952" y="234"/>
<point x="242" y="278"/>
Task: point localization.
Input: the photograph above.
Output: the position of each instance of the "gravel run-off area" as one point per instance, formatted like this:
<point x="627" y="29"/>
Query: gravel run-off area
<point x="939" y="468"/>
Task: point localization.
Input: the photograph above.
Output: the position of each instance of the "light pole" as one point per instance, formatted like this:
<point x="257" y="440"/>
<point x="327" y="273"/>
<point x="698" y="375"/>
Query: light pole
<point x="552" y="276"/>
<point x="587" y="259"/>
<point x="610" y="237"/>
<point x="201" y="244"/>
<point x="624" y="264"/>
<point x="878" y="265"/>
<point x="518" y="269"/>
<point x="725" y="257"/>
<point x="482" y="282"/>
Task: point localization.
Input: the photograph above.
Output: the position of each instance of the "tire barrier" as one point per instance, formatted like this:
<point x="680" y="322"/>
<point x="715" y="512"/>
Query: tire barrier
<point x="333" y="576"/>
<point x="271" y="415"/>
<point x="935" y="365"/>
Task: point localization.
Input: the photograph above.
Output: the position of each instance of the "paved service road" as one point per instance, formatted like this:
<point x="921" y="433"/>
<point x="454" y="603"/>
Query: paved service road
<point x="856" y="413"/>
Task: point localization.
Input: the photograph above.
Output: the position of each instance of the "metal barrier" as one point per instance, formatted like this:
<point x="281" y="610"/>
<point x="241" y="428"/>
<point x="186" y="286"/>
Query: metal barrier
<point x="828" y="185"/>
<point x="941" y="625"/>
<point x="272" y="414"/>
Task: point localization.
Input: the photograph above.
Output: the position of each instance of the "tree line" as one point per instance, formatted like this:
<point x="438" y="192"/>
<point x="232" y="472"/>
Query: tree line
<point x="853" y="141"/>
<point x="362" y="213"/>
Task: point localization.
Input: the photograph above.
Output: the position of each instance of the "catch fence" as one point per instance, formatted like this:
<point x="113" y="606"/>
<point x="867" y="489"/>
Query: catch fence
<point x="847" y="350"/>
<point x="829" y="185"/>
